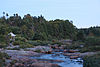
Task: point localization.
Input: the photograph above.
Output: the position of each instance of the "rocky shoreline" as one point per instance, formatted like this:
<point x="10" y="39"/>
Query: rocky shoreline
<point x="22" y="57"/>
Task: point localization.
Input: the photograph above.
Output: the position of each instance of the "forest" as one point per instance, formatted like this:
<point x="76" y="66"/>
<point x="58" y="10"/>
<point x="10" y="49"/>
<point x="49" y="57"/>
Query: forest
<point x="36" y="28"/>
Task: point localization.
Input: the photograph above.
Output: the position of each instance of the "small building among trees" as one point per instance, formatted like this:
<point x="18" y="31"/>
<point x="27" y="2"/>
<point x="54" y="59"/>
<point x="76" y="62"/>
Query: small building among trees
<point x="12" y="38"/>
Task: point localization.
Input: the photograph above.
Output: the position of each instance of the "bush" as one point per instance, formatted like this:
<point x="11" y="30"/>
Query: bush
<point x="90" y="49"/>
<point x="56" y="42"/>
<point x="92" y="61"/>
<point x="33" y="43"/>
<point x="3" y="57"/>
<point x="39" y="42"/>
<point x="16" y="42"/>
<point x="92" y="41"/>
<point x="91" y="44"/>
<point x="19" y="42"/>
<point x="20" y="39"/>
<point x="39" y="36"/>
<point x="75" y="45"/>
<point x="2" y="38"/>
<point x="16" y="48"/>
<point x="2" y="45"/>
<point x="26" y="45"/>
<point x="44" y="42"/>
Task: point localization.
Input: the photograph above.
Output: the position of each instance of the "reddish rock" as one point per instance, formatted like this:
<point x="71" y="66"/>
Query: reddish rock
<point x="48" y="52"/>
<point x="71" y="51"/>
<point x="45" y="65"/>
<point x="65" y="50"/>
<point x="58" y="61"/>
<point x="68" y="54"/>
<point x="73" y="57"/>
<point x="71" y="54"/>
<point x="42" y="51"/>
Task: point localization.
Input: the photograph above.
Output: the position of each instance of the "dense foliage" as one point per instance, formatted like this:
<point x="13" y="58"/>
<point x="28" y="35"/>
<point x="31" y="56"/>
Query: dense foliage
<point x="3" y="57"/>
<point x="92" y="61"/>
<point x="91" y="32"/>
<point x="36" y="28"/>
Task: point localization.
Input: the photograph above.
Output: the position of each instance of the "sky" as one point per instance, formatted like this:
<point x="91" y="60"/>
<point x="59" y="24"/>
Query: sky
<point x="83" y="13"/>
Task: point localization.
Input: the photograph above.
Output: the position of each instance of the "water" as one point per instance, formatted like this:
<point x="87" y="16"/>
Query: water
<point x="59" y="56"/>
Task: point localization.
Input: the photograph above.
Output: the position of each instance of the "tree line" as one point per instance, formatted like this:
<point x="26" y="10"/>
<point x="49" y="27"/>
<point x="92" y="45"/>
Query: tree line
<point x="36" y="28"/>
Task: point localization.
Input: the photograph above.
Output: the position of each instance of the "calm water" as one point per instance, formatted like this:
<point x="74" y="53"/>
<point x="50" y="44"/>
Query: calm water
<point x="59" y="56"/>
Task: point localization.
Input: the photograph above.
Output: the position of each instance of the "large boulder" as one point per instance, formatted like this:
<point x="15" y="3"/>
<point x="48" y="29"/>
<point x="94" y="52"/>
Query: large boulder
<point x="71" y="51"/>
<point x="74" y="57"/>
<point x="44" y="49"/>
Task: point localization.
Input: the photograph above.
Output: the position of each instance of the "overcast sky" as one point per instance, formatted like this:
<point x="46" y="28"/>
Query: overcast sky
<point x="83" y="13"/>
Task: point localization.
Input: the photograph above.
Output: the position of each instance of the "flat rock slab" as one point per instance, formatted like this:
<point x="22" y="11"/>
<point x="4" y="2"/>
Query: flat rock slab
<point x="17" y="54"/>
<point x="36" y="65"/>
<point x="78" y="54"/>
<point x="13" y="46"/>
<point x="45" y="65"/>
<point x="41" y="48"/>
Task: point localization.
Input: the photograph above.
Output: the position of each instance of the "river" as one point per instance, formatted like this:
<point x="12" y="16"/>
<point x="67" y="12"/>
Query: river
<point x="59" y="56"/>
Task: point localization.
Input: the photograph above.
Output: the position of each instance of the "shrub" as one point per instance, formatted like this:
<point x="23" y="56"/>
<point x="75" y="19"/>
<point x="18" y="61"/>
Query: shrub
<point x="16" y="48"/>
<point x="3" y="57"/>
<point x="39" y="42"/>
<point x="26" y="45"/>
<point x="90" y="49"/>
<point x="2" y="38"/>
<point x="92" y="40"/>
<point x="92" y="61"/>
<point x="16" y="42"/>
<point x="33" y="43"/>
<point x="20" y="39"/>
<point x="56" y="42"/>
<point x="75" y="45"/>
<point x="2" y="45"/>
<point x="38" y="51"/>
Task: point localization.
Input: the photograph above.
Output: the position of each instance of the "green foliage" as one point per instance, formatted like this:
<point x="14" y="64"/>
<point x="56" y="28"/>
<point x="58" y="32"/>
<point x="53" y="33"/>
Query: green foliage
<point x="26" y="45"/>
<point x="91" y="44"/>
<point x="2" y="45"/>
<point x="75" y="45"/>
<point x="56" y="42"/>
<point x="13" y="62"/>
<point x="14" y="29"/>
<point x="92" y="41"/>
<point x="37" y="28"/>
<point x="38" y="42"/>
<point x="39" y="36"/>
<point x="2" y="38"/>
<point x="16" y="48"/>
<point x="38" y="51"/>
<point x="17" y="43"/>
<point x="80" y="35"/>
<point x="57" y="29"/>
<point x="90" y="49"/>
<point x="3" y="57"/>
<point x="18" y="38"/>
<point x="92" y="61"/>
<point x="92" y="31"/>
